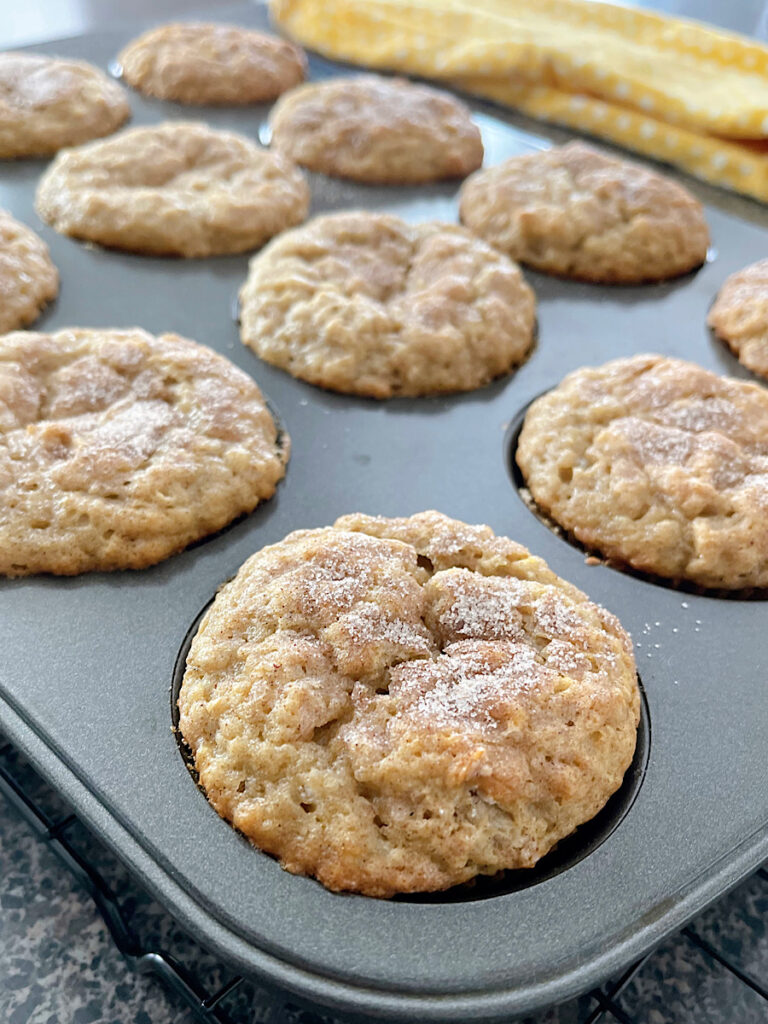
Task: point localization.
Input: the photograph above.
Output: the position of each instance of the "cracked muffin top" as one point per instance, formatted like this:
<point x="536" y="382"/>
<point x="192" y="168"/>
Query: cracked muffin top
<point x="657" y="464"/>
<point x="208" y="63"/>
<point x="47" y="103"/>
<point x="577" y="212"/>
<point x="397" y="705"/>
<point x="739" y="316"/>
<point x="28" y="278"/>
<point x="178" y="188"/>
<point x="366" y="304"/>
<point x="378" y="130"/>
<point x="118" y="449"/>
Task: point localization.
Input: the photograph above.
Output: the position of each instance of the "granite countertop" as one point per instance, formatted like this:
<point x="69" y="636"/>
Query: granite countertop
<point x="59" y="965"/>
<point x="58" y="962"/>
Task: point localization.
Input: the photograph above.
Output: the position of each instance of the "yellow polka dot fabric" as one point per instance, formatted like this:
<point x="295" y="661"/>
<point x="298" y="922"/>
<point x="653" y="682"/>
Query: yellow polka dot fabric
<point x="671" y="89"/>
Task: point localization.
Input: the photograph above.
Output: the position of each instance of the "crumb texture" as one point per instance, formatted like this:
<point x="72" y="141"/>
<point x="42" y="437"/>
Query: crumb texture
<point x="47" y="103"/>
<point x="395" y="705"/>
<point x="179" y="188"/>
<point x="378" y="130"/>
<point x="208" y="63"/>
<point x="578" y="212"/>
<point x="659" y="465"/>
<point x="118" y="449"/>
<point x="28" y="278"/>
<point x="366" y="304"/>
<point x="739" y="316"/>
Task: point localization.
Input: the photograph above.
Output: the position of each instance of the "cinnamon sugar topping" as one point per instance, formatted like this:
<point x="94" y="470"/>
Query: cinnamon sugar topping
<point x="400" y="704"/>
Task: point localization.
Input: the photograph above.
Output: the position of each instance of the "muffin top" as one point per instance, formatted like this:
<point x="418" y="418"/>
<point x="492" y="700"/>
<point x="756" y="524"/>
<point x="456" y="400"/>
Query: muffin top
<point x="118" y="449"/>
<point x="739" y="316"/>
<point x="395" y="705"/>
<point x="378" y="130"/>
<point x="367" y="304"/>
<point x="208" y="63"/>
<point x="47" y="103"/>
<point x="28" y="277"/>
<point x="177" y="188"/>
<point x="657" y="464"/>
<point x="578" y="212"/>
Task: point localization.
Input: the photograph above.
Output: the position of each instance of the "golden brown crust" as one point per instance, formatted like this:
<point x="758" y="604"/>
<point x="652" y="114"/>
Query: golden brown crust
<point x="739" y="316"/>
<point x="578" y="212"/>
<point x="178" y="188"/>
<point x="366" y="304"/>
<point x="658" y="464"/>
<point x="28" y="278"/>
<point x="394" y="705"/>
<point x="118" y="449"/>
<point x="378" y="130"/>
<point x="47" y="103"/>
<point x="209" y="63"/>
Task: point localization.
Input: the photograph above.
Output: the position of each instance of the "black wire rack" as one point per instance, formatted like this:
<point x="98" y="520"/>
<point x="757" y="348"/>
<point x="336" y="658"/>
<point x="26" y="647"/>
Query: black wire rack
<point x="216" y="996"/>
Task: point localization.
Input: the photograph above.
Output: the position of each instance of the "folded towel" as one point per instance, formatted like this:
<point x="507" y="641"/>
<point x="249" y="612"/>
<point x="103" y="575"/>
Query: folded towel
<point x="672" y="89"/>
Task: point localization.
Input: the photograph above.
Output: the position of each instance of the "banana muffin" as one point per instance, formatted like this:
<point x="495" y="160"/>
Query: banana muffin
<point x="377" y="130"/>
<point x="207" y="63"/>
<point x="28" y="278"/>
<point x="367" y="304"/>
<point x="657" y="464"/>
<point x="739" y="316"/>
<point x="398" y="705"/>
<point x="47" y="103"/>
<point x="118" y="449"/>
<point x="577" y="212"/>
<point x="176" y="189"/>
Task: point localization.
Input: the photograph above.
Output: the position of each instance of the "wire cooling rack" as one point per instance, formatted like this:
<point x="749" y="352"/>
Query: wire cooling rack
<point x="715" y="970"/>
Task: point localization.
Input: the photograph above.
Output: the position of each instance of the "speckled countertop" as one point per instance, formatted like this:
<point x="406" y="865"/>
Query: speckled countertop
<point x="58" y="963"/>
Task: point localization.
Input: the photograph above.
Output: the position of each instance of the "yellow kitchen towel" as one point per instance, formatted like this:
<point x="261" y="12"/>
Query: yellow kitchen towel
<point x="671" y="89"/>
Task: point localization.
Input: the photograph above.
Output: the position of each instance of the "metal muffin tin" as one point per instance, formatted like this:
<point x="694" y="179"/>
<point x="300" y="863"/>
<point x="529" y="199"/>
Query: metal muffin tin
<point x="87" y="662"/>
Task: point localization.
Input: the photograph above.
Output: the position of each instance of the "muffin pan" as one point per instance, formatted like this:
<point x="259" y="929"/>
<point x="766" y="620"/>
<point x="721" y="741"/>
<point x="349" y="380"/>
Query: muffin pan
<point x="88" y="662"/>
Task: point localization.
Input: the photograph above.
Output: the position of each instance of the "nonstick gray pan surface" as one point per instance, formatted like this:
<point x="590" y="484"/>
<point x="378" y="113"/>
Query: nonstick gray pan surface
<point x="88" y="663"/>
